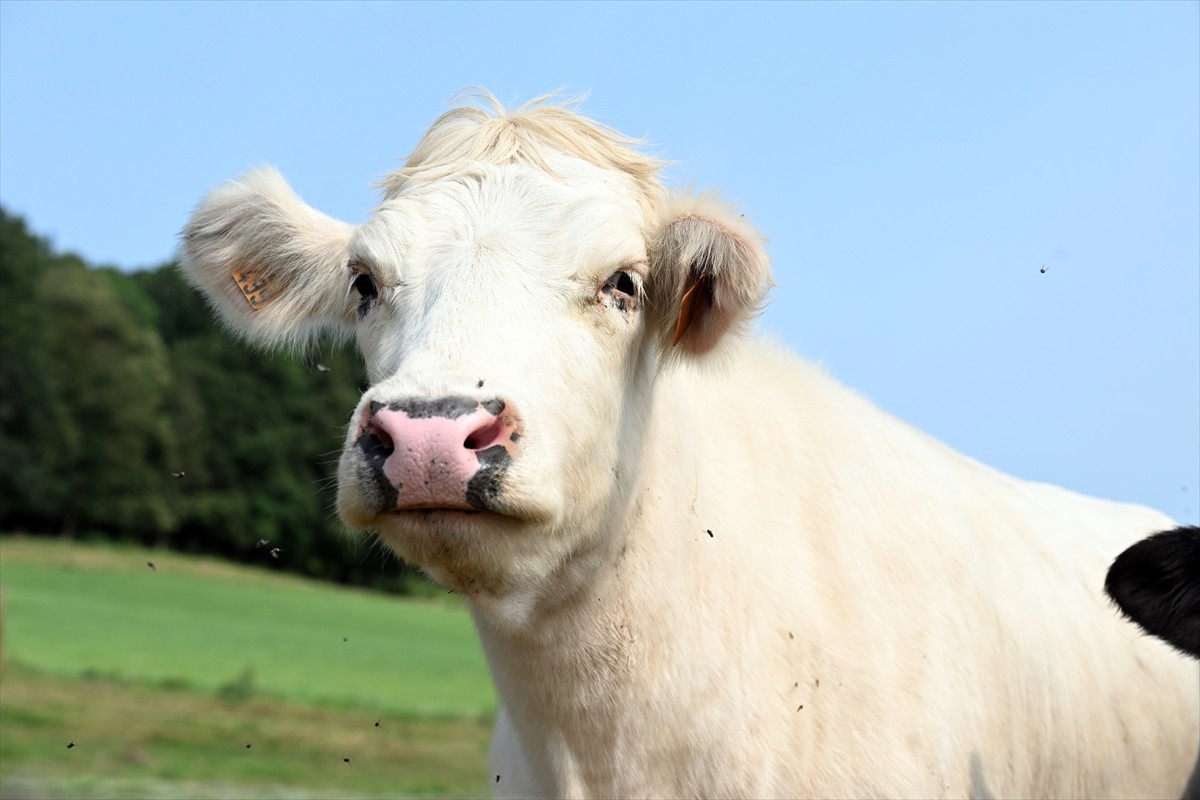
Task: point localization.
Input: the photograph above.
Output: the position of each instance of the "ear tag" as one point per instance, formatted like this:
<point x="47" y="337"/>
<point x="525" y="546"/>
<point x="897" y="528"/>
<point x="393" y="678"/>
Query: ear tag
<point x="255" y="285"/>
<point x="693" y="304"/>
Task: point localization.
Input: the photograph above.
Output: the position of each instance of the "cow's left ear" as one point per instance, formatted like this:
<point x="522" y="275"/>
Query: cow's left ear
<point x="709" y="273"/>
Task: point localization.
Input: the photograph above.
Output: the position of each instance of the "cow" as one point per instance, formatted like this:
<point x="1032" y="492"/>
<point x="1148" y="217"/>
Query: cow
<point x="1156" y="583"/>
<point x="698" y="566"/>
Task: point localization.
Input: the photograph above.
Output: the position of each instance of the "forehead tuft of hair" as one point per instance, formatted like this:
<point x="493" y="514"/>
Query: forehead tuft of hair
<point x="483" y="131"/>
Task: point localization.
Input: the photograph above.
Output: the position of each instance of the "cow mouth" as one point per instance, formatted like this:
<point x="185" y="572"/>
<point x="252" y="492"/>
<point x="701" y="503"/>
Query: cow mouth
<point x="446" y="510"/>
<point x="473" y="503"/>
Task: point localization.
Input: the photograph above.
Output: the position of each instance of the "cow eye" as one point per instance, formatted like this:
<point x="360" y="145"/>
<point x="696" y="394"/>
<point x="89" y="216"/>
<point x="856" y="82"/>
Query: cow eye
<point x="622" y="287"/>
<point x="367" y="293"/>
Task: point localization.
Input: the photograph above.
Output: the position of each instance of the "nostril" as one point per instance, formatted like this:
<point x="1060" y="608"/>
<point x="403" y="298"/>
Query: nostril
<point x="486" y="436"/>
<point x="377" y="441"/>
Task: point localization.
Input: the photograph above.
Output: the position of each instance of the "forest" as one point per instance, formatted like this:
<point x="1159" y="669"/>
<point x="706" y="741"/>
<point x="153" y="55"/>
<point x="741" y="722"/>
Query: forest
<point x="127" y="413"/>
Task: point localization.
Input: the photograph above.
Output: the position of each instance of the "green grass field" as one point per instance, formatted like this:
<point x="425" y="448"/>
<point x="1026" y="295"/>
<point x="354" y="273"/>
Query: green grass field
<point x="162" y="676"/>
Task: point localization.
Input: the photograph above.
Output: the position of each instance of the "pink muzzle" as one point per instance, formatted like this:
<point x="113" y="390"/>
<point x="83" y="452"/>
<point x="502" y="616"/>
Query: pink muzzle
<point x="448" y="454"/>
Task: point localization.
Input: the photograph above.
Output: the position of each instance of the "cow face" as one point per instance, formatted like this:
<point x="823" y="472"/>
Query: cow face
<point x="513" y="313"/>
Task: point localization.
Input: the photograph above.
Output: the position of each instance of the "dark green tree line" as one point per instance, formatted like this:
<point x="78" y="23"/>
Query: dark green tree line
<point x="113" y="383"/>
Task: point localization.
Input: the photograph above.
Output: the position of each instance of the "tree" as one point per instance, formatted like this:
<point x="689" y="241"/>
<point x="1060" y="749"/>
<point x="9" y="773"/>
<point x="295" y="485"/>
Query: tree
<point x="82" y="385"/>
<point x="110" y="382"/>
<point x="34" y="422"/>
<point x="112" y="373"/>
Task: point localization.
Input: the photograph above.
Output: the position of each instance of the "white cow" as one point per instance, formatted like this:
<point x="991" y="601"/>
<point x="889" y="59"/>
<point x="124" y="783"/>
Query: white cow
<point x="699" y="567"/>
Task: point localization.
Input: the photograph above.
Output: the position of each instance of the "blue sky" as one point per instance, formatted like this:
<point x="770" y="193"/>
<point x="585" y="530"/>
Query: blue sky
<point x="914" y="166"/>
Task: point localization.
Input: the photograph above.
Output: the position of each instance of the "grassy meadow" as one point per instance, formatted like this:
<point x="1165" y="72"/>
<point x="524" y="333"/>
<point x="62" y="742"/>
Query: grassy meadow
<point x="161" y="676"/>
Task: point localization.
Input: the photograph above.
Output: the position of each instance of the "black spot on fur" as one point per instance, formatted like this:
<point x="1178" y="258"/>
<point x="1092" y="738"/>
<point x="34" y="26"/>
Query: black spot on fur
<point x="375" y="453"/>
<point x="484" y="488"/>
<point x="451" y="407"/>
<point x="1156" y="583"/>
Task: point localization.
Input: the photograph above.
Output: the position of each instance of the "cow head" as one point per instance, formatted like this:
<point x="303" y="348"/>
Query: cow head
<point x="517" y="294"/>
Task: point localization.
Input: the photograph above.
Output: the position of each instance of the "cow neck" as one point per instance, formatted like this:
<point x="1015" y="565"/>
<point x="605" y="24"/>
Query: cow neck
<point x="567" y="681"/>
<point x="566" y="676"/>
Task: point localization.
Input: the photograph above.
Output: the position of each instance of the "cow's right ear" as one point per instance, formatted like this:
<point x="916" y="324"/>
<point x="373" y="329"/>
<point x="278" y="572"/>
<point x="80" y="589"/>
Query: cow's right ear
<point x="709" y="274"/>
<point x="274" y="268"/>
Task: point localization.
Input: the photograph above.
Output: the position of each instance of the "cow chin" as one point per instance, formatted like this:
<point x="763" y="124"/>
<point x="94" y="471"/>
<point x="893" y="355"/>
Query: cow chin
<point x="472" y="553"/>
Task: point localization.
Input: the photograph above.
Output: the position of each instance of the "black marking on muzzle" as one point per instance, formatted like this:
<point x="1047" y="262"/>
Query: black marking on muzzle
<point x="375" y="453"/>
<point x="484" y="488"/>
<point x="451" y="407"/>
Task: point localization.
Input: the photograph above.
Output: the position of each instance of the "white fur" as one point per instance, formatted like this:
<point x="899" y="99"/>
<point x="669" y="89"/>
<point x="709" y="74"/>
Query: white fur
<point x="872" y="615"/>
